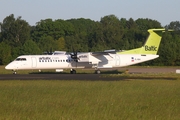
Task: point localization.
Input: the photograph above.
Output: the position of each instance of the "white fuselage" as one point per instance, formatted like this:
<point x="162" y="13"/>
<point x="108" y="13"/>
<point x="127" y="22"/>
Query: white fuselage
<point x="86" y="60"/>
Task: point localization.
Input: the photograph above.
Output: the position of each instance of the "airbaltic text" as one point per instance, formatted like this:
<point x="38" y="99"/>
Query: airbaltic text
<point x="150" y="48"/>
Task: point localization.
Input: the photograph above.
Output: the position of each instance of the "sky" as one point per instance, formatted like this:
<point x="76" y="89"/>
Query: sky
<point x="164" y="11"/>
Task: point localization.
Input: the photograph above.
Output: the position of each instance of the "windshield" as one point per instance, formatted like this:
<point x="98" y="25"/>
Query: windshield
<point x="20" y="59"/>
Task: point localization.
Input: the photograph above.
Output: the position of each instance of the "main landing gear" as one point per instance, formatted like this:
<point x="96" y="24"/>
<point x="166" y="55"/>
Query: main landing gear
<point x="73" y="71"/>
<point x="97" y="71"/>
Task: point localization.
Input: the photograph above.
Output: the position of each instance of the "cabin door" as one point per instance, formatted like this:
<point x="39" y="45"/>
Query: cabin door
<point x="34" y="63"/>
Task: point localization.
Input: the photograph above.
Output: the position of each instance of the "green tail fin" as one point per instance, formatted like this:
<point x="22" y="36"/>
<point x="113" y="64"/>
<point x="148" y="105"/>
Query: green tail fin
<point x="151" y="45"/>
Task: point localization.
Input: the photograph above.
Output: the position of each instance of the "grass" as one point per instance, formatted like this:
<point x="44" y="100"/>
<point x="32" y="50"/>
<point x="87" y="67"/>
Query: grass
<point x="90" y="100"/>
<point x="134" y="98"/>
<point x="145" y="76"/>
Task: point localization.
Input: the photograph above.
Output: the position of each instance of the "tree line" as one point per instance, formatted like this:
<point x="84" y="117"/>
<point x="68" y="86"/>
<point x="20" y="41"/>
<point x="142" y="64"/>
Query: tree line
<point x="17" y="37"/>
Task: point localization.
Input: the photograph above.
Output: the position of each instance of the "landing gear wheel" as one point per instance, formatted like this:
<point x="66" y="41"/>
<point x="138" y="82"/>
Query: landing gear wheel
<point x="73" y="71"/>
<point x="98" y="72"/>
<point x="14" y="72"/>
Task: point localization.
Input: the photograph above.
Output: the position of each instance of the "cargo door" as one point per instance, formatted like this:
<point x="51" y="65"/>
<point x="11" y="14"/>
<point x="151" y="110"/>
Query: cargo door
<point x="117" y="60"/>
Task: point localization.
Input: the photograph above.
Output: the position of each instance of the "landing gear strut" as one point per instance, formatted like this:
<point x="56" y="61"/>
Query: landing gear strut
<point x="73" y="71"/>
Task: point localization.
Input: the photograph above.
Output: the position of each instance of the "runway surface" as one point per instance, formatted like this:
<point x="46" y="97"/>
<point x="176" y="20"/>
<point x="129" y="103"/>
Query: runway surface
<point x="50" y="77"/>
<point x="84" y="76"/>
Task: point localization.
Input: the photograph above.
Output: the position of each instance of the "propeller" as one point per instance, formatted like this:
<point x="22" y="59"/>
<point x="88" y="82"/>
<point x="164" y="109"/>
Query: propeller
<point x="74" y="56"/>
<point x="49" y="52"/>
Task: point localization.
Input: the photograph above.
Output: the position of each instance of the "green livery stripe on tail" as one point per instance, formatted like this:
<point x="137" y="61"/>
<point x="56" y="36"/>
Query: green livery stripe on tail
<point x="151" y="45"/>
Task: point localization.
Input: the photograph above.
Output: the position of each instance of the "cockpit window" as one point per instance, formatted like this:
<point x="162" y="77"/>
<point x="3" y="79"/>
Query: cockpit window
<point x="20" y="59"/>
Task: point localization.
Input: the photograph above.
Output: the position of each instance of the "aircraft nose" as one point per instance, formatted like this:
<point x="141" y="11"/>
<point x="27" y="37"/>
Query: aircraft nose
<point x="8" y="67"/>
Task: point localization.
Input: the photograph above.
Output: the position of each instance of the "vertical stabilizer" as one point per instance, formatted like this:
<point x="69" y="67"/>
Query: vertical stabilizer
<point x="151" y="45"/>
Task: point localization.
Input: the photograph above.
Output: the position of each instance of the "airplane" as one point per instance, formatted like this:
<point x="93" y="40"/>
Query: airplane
<point x="96" y="60"/>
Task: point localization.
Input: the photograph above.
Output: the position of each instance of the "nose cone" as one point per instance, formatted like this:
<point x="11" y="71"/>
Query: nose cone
<point x="9" y="67"/>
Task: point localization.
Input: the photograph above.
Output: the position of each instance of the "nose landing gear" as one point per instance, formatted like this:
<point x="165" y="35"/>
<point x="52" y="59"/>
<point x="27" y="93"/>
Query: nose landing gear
<point x="14" y="72"/>
<point x="97" y="71"/>
<point x="73" y="71"/>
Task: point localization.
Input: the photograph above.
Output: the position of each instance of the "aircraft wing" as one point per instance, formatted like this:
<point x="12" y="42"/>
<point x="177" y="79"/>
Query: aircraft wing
<point x="106" y="52"/>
